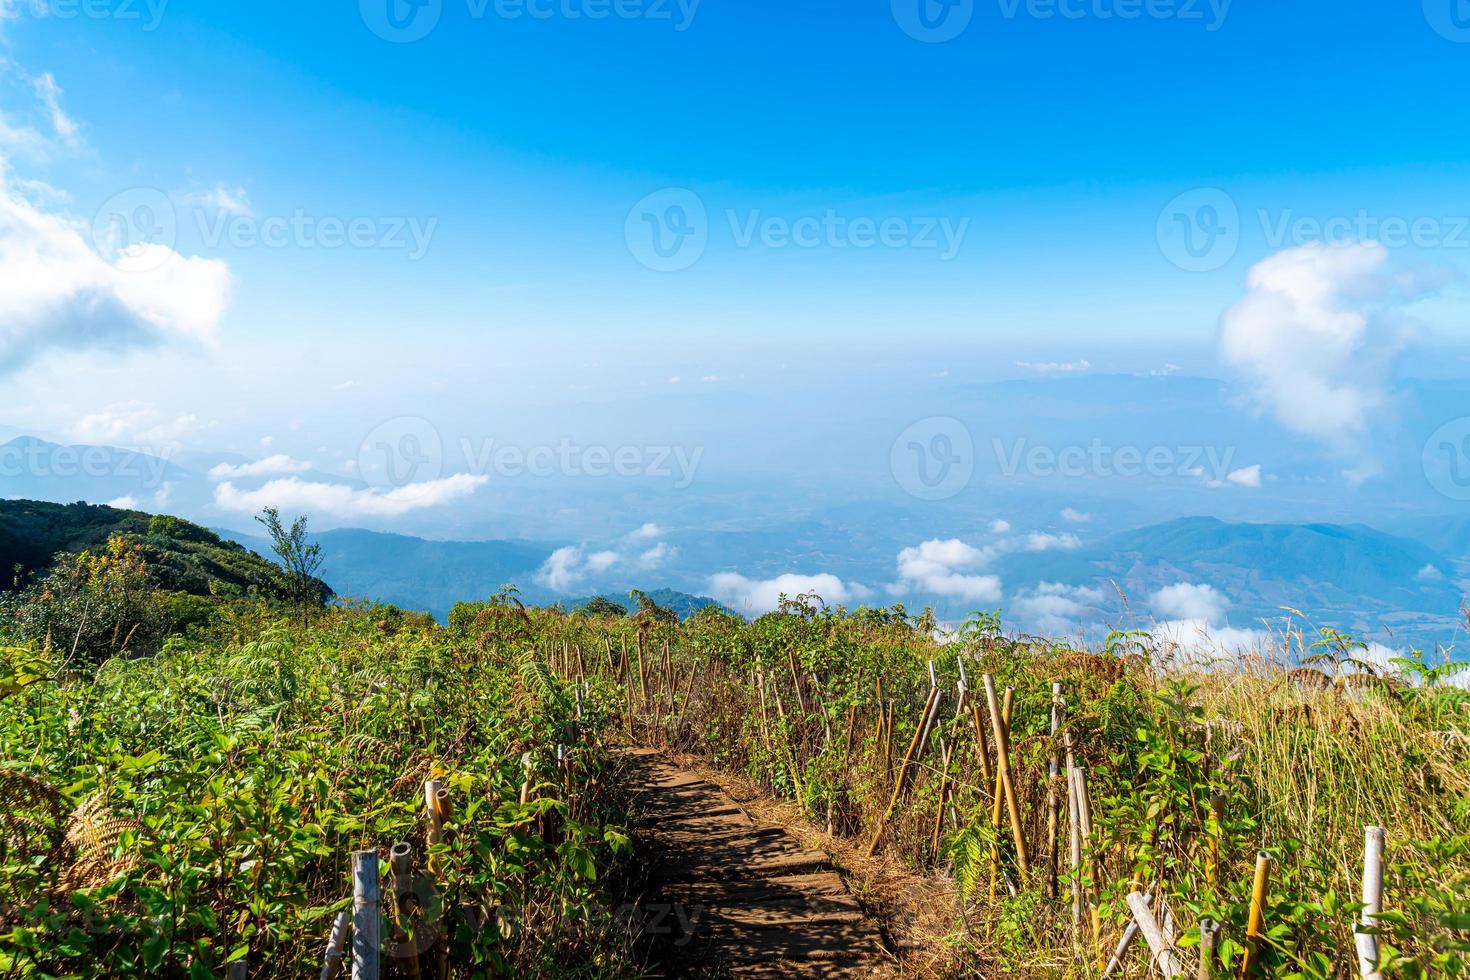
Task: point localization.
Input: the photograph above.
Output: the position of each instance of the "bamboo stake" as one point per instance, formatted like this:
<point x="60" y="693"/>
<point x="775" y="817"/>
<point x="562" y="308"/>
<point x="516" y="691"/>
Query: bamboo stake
<point x="790" y="748"/>
<point x="1002" y="752"/>
<point x="366" y="935"/>
<point x="336" y="944"/>
<point x="982" y="744"/>
<point x="915" y="749"/>
<point x="945" y="754"/>
<point x="1074" y="852"/>
<point x="1163" y="953"/>
<point x="1212" y="860"/>
<point x="401" y="860"/>
<point x="1209" y="941"/>
<point x="1084" y="823"/>
<point x="431" y="811"/>
<point x="1053" y="801"/>
<point x="1253" y="933"/>
<point x="237" y="970"/>
<point x="1367" y="942"/>
<point x="997" y="802"/>
<point x="1130" y="933"/>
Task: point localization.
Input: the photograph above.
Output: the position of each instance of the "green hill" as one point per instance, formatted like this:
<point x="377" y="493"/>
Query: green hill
<point x="181" y="557"/>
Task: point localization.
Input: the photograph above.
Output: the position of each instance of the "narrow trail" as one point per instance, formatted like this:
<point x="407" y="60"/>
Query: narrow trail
<point x="742" y="899"/>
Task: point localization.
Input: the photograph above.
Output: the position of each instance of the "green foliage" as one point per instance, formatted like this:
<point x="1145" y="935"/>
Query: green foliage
<point x="230" y="778"/>
<point x="602" y="606"/>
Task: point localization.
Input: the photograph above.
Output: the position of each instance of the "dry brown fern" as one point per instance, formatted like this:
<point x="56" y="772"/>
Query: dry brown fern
<point x="93" y="833"/>
<point x="32" y="819"/>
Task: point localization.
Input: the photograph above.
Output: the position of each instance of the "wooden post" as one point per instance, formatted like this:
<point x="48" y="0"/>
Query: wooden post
<point x="1053" y="800"/>
<point x="1367" y="942"/>
<point x="237" y="970"/>
<point x="366" y="909"/>
<point x="1158" y="944"/>
<point x="1254" y="924"/>
<point x="336" y="946"/>
<point x="916" y="749"/>
<point x="1084" y="826"/>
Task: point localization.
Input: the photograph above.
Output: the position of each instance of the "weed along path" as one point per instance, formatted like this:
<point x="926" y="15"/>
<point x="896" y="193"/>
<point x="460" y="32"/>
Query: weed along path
<point x="731" y="897"/>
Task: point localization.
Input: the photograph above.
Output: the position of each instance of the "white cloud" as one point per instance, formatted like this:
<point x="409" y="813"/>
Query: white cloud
<point x="657" y="555"/>
<point x="57" y="292"/>
<point x="123" y="503"/>
<point x="1430" y="574"/>
<point x="1164" y="371"/>
<point x="278" y="465"/>
<point x="1038" y="541"/>
<point x="646" y="533"/>
<point x="1053" y="608"/>
<point x="761" y="596"/>
<point x="1073" y="516"/>
<point x="229" y="200"/>
<point x="998" y="526"/>
<point x="601" y="561"/>
<point x="562" y="568"/>
<point x="336" y="500"/>
<point x="1186" y="601"/>
<point x="63" y="125"/>
<point x="939" y="568"/>
<point x="1248" y="476"/>
<point x="134" y="425"/>
<point x="1054" y="367"/>
<point x="1201" y="638"/>
<point x="1313" y="337"/>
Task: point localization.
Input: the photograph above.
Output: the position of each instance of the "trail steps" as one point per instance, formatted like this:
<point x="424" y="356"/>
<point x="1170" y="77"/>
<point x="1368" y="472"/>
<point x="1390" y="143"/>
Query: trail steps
<point x="759" y="904"/>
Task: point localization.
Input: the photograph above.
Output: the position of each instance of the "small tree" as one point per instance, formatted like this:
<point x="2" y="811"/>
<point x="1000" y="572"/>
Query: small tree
<point x="300" y="561"/>
<point x="603" y="606"/>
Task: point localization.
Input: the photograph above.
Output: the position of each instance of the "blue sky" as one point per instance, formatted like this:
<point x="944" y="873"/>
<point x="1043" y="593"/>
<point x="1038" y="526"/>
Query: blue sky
<point x="527" y="140"/>
<point x="1030" y="175"/>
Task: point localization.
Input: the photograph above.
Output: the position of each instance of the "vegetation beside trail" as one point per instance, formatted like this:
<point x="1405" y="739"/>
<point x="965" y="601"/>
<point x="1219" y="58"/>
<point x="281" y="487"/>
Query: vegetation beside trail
<point x="1191" y="772"/>
<point x="168" y="808"/>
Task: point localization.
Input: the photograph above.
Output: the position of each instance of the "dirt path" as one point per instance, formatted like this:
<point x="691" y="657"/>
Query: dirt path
<point x="735" y="898"/>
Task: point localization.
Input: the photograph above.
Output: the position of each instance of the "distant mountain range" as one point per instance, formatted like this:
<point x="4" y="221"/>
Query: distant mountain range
<point x="1350" y="576"/>
<point x="432" y="576"/>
